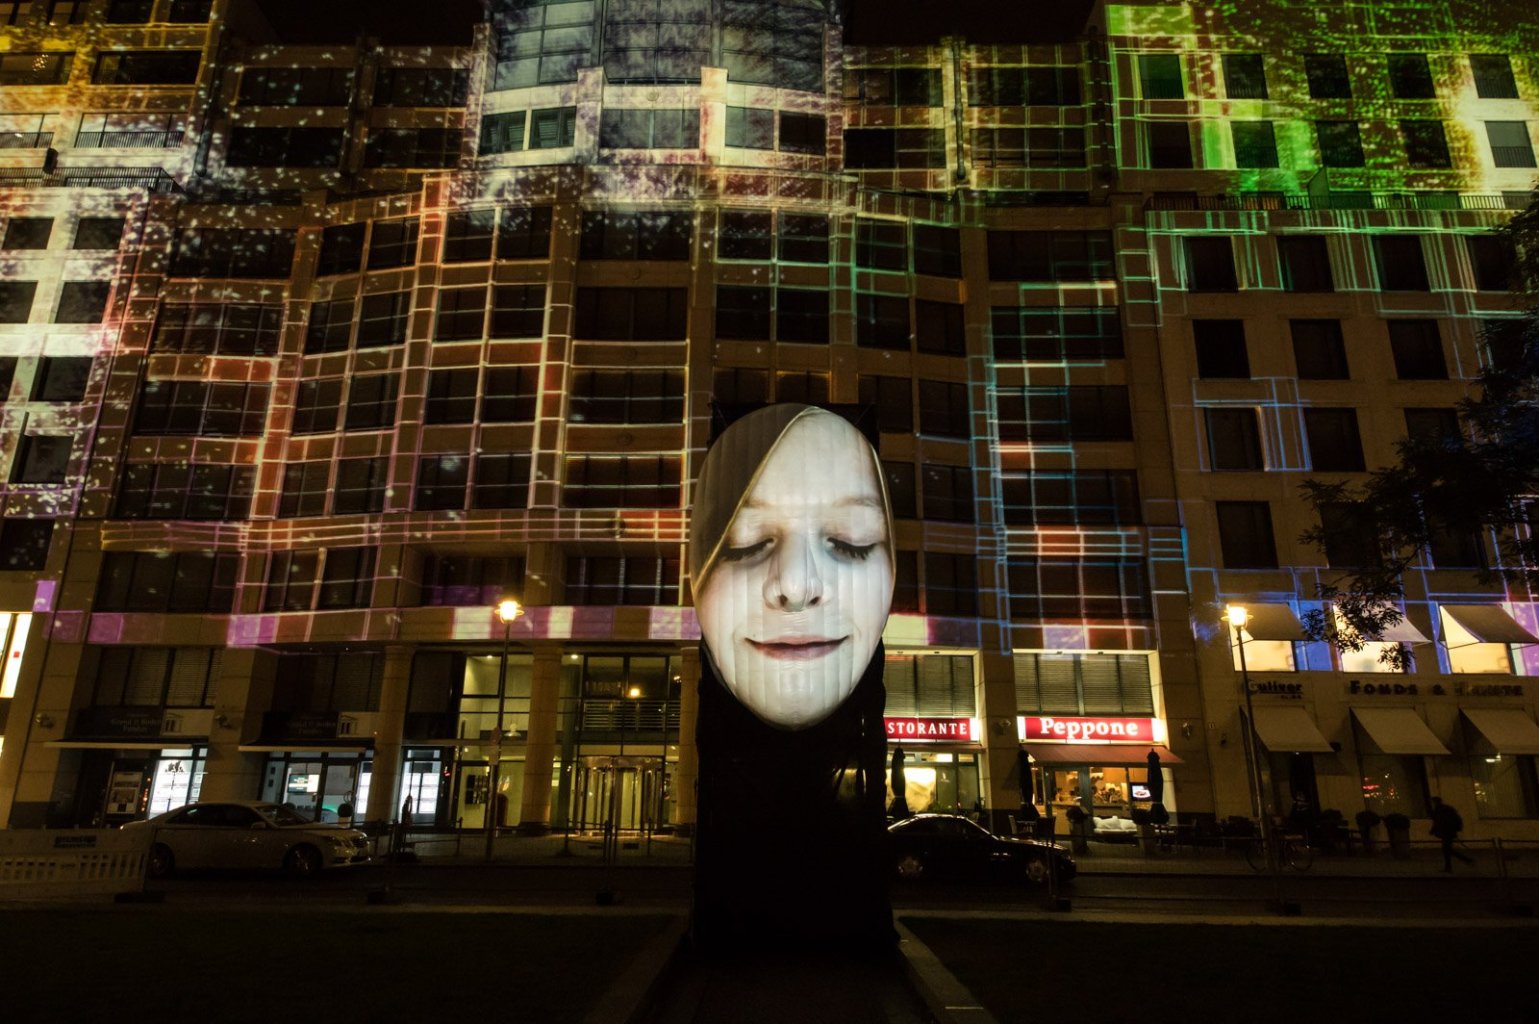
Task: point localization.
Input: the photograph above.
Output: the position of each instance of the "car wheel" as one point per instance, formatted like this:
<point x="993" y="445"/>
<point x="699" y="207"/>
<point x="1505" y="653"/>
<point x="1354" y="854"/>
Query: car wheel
<point x="302" y="862"/>
<point x="1036" y="870"/>
<point x="911" y="867"/>
<point x="161" y="862"/>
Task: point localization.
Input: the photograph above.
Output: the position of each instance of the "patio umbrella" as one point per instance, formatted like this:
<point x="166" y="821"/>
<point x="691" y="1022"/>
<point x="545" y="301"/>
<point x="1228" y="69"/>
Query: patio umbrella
<point x="1028" y="786"/>
<point x="1156" y="782"/>
<point x="899" y="807"/>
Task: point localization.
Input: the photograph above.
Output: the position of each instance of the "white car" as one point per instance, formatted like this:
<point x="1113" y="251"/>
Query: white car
<point x="248" y="835"/>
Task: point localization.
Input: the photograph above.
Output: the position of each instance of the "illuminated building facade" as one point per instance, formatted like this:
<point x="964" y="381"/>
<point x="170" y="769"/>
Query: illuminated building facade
<point x="315" y="351"/>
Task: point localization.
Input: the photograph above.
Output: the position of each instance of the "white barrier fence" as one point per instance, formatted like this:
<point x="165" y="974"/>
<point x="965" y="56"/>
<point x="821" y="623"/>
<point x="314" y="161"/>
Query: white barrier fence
<point x="47" y="863"/>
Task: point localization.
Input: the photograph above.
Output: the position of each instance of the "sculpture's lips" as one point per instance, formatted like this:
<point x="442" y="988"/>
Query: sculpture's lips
<point x="797" y="648"/>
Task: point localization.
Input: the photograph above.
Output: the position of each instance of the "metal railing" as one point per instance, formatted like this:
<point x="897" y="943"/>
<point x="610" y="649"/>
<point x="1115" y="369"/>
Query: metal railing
<point x="141" y="139"/>
<point x="1335" y="201"/>
<point x="25" y="140"/>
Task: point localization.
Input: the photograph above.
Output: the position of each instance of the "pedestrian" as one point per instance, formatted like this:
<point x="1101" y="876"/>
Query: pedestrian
<point x="1446" y="825"/>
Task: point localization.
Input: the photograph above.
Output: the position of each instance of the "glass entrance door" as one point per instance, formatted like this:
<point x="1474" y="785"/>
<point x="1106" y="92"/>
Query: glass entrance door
<point x="625" y="793"/>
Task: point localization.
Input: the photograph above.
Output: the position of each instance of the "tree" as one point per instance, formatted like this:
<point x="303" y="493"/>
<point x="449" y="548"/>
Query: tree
<point x="1481" y="478"/>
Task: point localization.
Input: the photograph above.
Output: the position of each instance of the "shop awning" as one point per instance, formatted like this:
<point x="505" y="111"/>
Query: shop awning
<point x="1110" y="754"/>
<point x="1487" y="624"/>
<point x="1510" y="731"/>
<point x="1272" y="622"/>
<point x="1290" y="730"/>
<point x="1398" y="731"/>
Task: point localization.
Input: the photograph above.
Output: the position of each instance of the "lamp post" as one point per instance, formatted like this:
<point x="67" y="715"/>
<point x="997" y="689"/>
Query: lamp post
<point x="507" y="610"/>
<point x="1238" y="616"/>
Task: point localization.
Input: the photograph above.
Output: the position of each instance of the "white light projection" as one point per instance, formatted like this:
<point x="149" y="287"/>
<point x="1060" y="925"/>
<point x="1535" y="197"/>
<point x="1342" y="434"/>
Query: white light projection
<point x="791" y="551"/>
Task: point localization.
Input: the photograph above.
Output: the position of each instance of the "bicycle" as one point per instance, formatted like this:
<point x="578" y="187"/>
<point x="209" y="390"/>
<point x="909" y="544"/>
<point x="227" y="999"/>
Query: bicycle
<point x="1291" y="851"/>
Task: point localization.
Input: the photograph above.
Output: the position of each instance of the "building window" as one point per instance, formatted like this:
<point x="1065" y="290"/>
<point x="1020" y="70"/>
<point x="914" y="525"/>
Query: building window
<point x="284" y="147"/>
<point x="886" y="87"/>
<point x="421" y="87"/>
<point x="745" y="235"/>
<point x="461" y="314"/>
<point x="1400" y="263"/>
<point x="554" y="128"/>
<point x="383" y="318"/>
<point x="62" y="379"/>
<point x="1056" y="334"/>
<point x="523" y="233"/>
<point x="360" y="485"/>
<point x="188" y="12"/>
<point x="27" y="233"/>
<point x="393" y="243"/>
<point x="894" y="148"/>
<point x="1454" y="548"/>
<point x="1306" y="263"/>
<point x="468" y="236"/>
<point x="1492" y="259"/>
<point x="750" y="128"/>
<point x="1060" y="589"/>
<point x="502" y="133"/>
<point x="24" y="544"/>
<point x="41" y="459"/>
<point x="606" y="580"/>
<point x="16" y="301"/>
<point x="167" y="582"/>
<point x="1210" y="264"/>
<point x="801" y="315"/>
<point x="1245" y="534"/>
<point x="511" y="394"/>
<point x="98" y="232"/>
<point x="882" y="321"/>
<point x="1493" y="76"/>
<point x="902" y="490"/>
<point x="154" y="677"/>
<point x="803" y="133"/>
<point x="315" y="406"/>
<point x="1319" y="351"/>
<point x="891" y="399"/>
<point x="1255" y="143"/>
<point x="1244" y="76"/>
<point x="82" y="302"/>
<point x="1071" y="498"/>
<point x="35" y="68"/>
<point x="1334" y="443"/>
<point x="348" y="580"/>
<point x="305" y="485"/>
<point x="1083" y="684"/>
<point x="1234" y="439"/>
<point x="637" y="234"/>
<point x="1327" y="74"/>
<point x="950" y="584"/>
<point x="330" y="327"/>
<point x="1160" y="76"/>
<point x="1170" y="144"/>
<point x="7" y="376"/>
<point x="371" y="401"/>
<point x="1510" y="144"/>
<point x="768" y="43"/>
<point x="1221" y="350"/>
<point x="233" y="252"/>
<point x="732" y="386"/>
<point x="296" y="87"/>
<point x="803" y="238"/>
<point x="623" y="481"/>
<point x="441" y="482"/>
<point x="1051" y="256"/>
<point x="1080" y="412"/>
<point x="1409" y="77"/>
<point x="627" y="396"/>
<point x="469" y="580"/>
<point x="518" y="311"/>
<point x="191" y="407"/>
<point x="502" y="481"/>
<point x="147" y="67"/>
<point x="154" y="490"/>
<point x="937" y="251"/>
<point x="412" y="147"/>
<point x="1505" y="784"/>
<point x="66" y="12"/>
<point x="632" y="314"/>
<point x="1426" y="144"/>
<point x="940" y="328"/>
<point x="944" y="410"/>
<point x="451" y="396"/>
<point x="881" y="245"/>
<point x="1417" y="349"/>
<point x="1341" y="143"/>
<point x="947" y="493"/>
<point x="1432" y="424"/>
<point x="1392" y="783"/>
<point x="649" y="129"/>
<point x="341" y="250"/>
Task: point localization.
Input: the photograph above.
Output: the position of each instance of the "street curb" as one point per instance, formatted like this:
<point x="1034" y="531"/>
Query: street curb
<point x="947" y="999"/>
<point x="632" y="993"/>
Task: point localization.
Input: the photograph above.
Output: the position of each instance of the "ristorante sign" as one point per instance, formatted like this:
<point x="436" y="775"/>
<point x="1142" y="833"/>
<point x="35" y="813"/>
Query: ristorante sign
<point x="1072" y="729"/>
<point x="957" y="729"/>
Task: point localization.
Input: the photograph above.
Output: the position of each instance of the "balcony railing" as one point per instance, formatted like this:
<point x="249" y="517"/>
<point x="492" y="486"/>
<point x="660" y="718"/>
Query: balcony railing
<point x="152" y="139"/>
<point x="151" y="180"/>
<point x="636" y="717"/>
<point x="25" y="140"/>
<point x="1335" y="201"/>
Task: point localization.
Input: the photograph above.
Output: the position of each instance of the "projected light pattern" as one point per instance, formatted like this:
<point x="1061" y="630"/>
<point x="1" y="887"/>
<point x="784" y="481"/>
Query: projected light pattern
<point x="340" y="343"/>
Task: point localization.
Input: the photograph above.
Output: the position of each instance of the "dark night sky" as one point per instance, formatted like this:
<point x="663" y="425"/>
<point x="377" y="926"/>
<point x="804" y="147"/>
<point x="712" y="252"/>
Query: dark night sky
<point x="867" y="21"/>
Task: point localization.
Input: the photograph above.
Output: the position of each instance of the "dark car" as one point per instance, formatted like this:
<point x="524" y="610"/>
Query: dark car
<point x="951" y="846"/>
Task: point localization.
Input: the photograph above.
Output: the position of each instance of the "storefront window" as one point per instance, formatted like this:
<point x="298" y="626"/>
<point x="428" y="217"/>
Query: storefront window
<point x="1394" y="784"/>
<point x="321" y="786"/>
<point x="1504" y="785"/>
<point x="177" y="779"/>
<point x="938" y="782"/>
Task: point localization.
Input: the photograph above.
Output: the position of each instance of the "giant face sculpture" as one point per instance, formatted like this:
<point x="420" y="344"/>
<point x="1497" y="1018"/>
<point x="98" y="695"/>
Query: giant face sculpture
<point x="791" y="554"/>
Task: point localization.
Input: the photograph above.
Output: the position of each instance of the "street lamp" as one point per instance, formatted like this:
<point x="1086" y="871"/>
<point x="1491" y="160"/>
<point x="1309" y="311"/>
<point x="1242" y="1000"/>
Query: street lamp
<point x="1238" y="615"/>
<point x="507" y="610"/>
